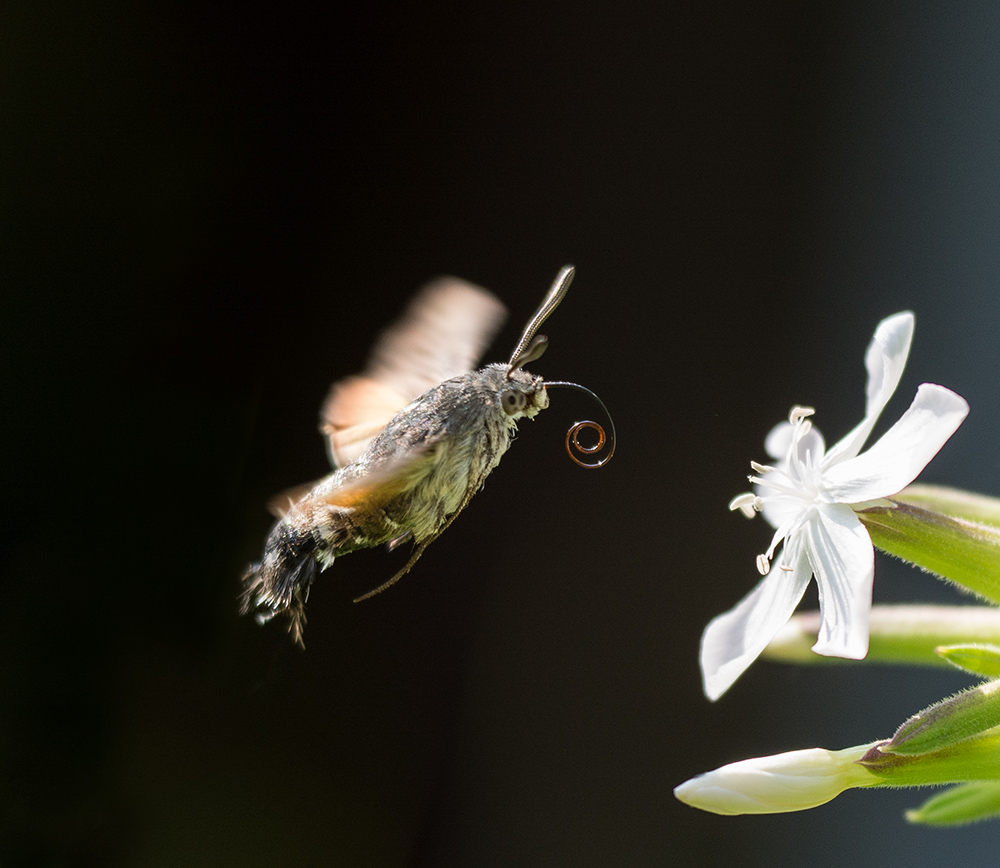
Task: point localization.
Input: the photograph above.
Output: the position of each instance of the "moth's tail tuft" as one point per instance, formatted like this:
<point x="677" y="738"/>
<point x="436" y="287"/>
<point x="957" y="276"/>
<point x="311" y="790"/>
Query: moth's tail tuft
<point x="279" y="584"/>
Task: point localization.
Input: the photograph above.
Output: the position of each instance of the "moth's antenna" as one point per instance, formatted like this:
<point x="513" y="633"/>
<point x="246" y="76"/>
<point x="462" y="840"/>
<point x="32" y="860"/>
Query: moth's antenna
<point x="529" y="347"/>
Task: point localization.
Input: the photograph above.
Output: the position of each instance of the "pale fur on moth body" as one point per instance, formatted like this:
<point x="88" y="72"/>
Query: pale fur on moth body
<point x="414" y="437"/>
<point x="431" y="458"/>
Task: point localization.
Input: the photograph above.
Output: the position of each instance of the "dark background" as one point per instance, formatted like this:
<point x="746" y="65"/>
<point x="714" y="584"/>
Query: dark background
<point x="208" y="214"/>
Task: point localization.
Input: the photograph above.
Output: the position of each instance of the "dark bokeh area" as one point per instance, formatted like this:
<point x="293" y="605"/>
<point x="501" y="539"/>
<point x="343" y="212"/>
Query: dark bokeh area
<point x="207" y="216"/>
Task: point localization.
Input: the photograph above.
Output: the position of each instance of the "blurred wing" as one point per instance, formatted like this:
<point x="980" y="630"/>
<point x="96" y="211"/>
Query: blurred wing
<point x="442" y="334"/>
<point x="356" y="409"/>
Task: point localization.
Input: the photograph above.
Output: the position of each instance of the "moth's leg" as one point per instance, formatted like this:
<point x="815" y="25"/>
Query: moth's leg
<point x="417" y="552"/>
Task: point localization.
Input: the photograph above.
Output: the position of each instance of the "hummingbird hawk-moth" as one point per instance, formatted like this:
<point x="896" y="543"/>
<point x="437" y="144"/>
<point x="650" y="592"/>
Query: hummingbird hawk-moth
<point x="412" y="439"/>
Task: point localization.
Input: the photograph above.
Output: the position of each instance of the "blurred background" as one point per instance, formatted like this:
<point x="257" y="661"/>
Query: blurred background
<point x="209" y="212"/>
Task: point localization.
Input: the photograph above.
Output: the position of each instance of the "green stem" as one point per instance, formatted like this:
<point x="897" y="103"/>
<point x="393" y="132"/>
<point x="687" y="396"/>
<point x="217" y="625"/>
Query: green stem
<point x="949" y="721"/>
<point x="953" y="502"/>
<point x="964" y="803"/>
<point x="975" y="759"/>
<point x="957" y="549"/>
<point x="899" y="634"/>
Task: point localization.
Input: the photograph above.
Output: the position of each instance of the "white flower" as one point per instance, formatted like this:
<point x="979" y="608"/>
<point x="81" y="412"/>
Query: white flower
<point x="811" y="496"/>
<point x="791" y="781"/>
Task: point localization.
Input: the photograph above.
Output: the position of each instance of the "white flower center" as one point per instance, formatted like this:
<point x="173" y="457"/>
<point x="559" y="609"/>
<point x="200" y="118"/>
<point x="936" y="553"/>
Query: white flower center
<point x="792" y="487"/>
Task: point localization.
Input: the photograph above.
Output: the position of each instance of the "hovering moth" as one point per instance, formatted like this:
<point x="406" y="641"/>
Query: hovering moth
<point x="411" y="439"/>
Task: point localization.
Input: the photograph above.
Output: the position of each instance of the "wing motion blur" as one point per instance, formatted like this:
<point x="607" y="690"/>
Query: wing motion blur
<point x="442" y="334"/>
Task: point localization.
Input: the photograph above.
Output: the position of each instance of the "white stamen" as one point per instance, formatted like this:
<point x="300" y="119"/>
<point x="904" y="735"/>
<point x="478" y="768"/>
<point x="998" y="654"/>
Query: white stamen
<point x="790" y="486"/>
<point x="745" y="503"/>
<point x="799" y="413"/>
<point x="761" y="468"/>
<point x="763" y="565"/>
<point x="740" y="501"/>
<point x="786" y="568"/>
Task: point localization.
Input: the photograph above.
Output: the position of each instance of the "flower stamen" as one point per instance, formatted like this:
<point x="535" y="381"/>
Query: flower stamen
<point x="791" y="487"/>
<point x="797" y="414"/>
<point x="746" y="503"/>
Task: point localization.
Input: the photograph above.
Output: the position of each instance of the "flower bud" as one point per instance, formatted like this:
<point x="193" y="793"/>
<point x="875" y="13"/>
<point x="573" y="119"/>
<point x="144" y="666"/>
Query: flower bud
<point x="791" y="781"/>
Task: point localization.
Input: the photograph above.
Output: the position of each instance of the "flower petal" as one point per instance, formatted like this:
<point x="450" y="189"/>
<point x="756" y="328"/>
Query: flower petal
<point x="733" y="640"/>
<point x="843" y="560"/>
<point x="903" y="451"/>
<point x="885" y="359"/>
<point x="780" y="512"/>
<point x="779" y="441"/>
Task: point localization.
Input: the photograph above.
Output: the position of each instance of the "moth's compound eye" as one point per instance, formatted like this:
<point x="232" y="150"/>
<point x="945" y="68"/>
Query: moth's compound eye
<point x="512" y="401"/>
